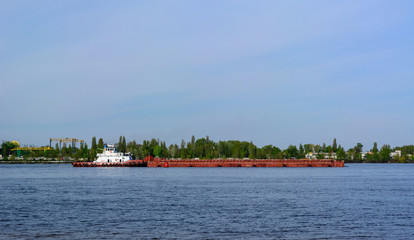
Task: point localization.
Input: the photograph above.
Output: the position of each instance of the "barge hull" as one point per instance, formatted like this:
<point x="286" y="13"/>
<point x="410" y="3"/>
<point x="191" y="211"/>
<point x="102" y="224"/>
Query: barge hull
<point x="245" y="163"/>
<point x="130" y="163"/>
<point x="165" y="163"/>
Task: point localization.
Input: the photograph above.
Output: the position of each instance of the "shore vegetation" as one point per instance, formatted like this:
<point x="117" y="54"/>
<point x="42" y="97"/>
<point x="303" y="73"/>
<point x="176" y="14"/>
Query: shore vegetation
<point x="205" y="148"/>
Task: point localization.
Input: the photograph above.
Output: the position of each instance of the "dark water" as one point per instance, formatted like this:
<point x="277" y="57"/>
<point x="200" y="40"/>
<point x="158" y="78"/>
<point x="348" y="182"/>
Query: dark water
<point x="360" y="201"/>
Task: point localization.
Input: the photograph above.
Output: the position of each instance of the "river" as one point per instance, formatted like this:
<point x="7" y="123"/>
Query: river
<point x="58" y="201"/>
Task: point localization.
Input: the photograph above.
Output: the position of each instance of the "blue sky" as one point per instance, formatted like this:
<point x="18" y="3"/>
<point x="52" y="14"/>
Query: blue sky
<point x="271" y="72"/>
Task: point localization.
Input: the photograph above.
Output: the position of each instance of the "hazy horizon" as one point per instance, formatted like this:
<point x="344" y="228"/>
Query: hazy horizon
<point x="270" y="72"/>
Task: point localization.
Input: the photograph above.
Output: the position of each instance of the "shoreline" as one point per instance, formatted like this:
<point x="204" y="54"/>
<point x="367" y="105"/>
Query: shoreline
<point x="35" y="162"/>
<point x="72" y="161"/>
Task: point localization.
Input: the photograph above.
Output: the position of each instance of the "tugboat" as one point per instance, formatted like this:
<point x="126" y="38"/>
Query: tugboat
<point x="110" y="157"/>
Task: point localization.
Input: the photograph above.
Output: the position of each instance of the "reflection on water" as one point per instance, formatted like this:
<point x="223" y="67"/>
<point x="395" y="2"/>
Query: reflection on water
<point x="371" y="201"/>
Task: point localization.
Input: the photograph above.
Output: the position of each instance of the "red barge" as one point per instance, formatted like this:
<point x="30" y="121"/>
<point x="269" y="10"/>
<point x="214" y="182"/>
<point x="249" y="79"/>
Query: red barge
<point x="150" y="161"/>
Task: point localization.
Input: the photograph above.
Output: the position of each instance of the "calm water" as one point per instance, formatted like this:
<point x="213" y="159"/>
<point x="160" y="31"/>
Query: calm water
<point x="360" y="201"/>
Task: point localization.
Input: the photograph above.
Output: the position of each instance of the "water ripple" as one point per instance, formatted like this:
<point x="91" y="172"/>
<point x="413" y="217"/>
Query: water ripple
<point x="60" y="202"/>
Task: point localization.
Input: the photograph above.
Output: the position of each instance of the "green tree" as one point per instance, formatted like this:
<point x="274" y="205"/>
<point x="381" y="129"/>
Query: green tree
<point x="200" y="147"/>
<point x="223" y="149"/>
<point x="123" y="144"/>
<point x="384" y="153"/>
<point x="134" y="149"/>
<point x="92" y="154"/>
<point x="157" y="151"/>
<point x="145" y="149"/>
<point x="267" y="151"/>
<point x="291" y="152"/>
<point x="64" y="150"/>
<point x="301" y="153"/>
<point x="6" y="148"/>
<point x="334" y="146"/>
<point x="93" y="143"/>
<point x="252" y="151"/>
<point x="172" y="149"/>
<point x="182" y="150"/>
<point x="120" y="147"/>
<point x="308" y="148"/>
<point x="57" y="147"/>
<point x="192" y="151"/>
<point x="358" y="148"/>
<point x="316" y="148"/>
<point x="100" y="146"/>
<point x="235" y="149"/>
<point x="323" y="147"/>
<point x="164" y="149"/>
<point x="85" y="152"/>
<point x="375" y="148"/>
<point x="340" y="154"/>
<point x="320" y="156"/>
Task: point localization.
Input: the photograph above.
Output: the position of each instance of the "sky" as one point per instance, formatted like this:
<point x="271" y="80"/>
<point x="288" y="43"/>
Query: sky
<point x="271" y="72"/>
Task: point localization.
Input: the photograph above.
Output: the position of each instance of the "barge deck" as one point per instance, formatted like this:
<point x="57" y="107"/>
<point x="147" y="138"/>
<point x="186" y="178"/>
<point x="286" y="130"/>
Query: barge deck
<point x="166" y="163"/>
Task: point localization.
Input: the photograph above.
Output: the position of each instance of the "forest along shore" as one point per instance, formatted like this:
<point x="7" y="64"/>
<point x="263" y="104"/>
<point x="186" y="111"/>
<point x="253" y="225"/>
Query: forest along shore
<point x="205" y="148"/>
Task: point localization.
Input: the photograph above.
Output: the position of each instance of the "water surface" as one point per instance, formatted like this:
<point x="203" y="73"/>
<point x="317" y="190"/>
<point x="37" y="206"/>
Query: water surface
<point x="360" y="201"/>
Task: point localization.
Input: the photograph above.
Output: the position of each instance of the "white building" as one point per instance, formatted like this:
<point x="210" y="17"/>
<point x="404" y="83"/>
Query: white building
<point x="396" y="153"/>
<point x="315" y="155"/>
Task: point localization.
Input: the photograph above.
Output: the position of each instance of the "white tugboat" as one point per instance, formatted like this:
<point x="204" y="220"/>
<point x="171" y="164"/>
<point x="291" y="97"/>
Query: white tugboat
<point x="111" y="158"/>
<point x="110" y="155"/>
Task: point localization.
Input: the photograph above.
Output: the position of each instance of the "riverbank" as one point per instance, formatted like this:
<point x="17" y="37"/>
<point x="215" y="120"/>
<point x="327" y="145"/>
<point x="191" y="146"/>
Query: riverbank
<point x="40" y="160"/>
<point x="34" y="162"/>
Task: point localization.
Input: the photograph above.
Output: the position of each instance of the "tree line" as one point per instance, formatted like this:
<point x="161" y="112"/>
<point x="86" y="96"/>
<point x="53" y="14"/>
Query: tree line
<point x="204" y="148"/>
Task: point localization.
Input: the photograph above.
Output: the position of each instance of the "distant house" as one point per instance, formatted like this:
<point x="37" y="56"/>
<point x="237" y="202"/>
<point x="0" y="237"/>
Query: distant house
<point x="310" y="155"/>
<point x="364" y="154"/>
<point x="315" y="155"/>
<point x="396" y="153"/>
